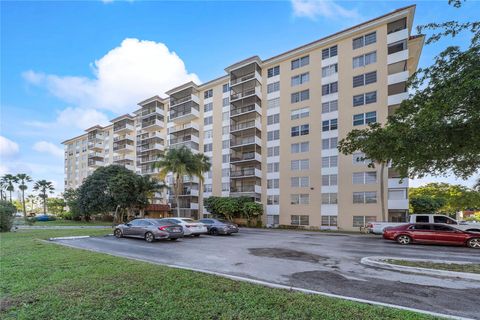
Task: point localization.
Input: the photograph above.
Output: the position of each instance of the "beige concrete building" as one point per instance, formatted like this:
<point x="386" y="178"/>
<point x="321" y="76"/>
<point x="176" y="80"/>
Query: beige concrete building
<point x="271" y="128"/>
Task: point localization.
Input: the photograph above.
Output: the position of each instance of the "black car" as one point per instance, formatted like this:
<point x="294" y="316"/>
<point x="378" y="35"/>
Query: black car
<point x="216" y="226"/>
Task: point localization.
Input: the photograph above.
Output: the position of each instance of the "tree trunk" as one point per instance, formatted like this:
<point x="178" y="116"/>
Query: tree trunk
<point x="10" y="196"/>
<point x="382" y="190"/>
<point x="45" y="204"/>
<point x="24" y="205"/>
<point x="200" y="194"/>
<point x="177" y="194"/>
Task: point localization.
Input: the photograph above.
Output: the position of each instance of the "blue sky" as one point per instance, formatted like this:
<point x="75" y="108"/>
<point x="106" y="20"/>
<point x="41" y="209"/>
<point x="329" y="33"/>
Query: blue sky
<point x="66" y="65"/>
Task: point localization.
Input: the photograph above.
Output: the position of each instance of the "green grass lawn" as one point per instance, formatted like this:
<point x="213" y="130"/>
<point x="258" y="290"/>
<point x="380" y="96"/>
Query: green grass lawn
<point x="470" y="268"/>
<point x="46" y="281"/>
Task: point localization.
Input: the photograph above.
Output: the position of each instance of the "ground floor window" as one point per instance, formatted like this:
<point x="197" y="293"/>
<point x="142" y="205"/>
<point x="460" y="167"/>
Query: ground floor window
<point x="273" y="219"/>
<point x="329" y="221"/>
<point x="360" y="221"/>
<point x="299" y="220"/>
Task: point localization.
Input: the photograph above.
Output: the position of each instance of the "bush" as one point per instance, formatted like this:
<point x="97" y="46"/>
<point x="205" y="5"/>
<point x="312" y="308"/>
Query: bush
<point x="67" y="215"/>
<point x="7" y="214"/>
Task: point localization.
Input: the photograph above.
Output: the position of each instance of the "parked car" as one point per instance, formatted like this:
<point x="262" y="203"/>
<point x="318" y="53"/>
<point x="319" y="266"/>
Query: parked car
<point x="149" y="229"/>
<point x="432" y="233"/>
<point x="216" y="226"/>
<point x="378" y="227"/>
<point x="45" y="217"/>
<point x="190" y="226"/>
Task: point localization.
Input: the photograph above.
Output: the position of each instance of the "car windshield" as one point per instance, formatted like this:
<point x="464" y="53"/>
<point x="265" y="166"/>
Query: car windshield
<point x="188" y="220"/>
<point x="223" y="221"/>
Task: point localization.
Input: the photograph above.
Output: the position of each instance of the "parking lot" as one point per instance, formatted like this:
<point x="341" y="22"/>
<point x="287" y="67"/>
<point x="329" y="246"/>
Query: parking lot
<point x="327" y="262"/>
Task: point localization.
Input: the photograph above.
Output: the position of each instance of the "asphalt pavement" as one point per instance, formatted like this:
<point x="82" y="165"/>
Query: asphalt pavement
<point x="326" y="262"/>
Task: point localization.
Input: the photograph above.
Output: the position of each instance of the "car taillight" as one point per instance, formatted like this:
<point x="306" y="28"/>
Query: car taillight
<point x="163" y="228"/>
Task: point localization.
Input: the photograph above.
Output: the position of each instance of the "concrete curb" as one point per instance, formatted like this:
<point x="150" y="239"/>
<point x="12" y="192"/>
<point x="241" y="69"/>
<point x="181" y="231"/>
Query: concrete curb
<point x="275" y="285"/>
<point x="378" y="262"/>
<point x="69" y="238"/>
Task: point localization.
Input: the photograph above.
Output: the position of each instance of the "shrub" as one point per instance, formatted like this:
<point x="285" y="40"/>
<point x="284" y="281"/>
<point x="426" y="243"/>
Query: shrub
<point x="67" y="215"/>
<point x="7" y="214"/>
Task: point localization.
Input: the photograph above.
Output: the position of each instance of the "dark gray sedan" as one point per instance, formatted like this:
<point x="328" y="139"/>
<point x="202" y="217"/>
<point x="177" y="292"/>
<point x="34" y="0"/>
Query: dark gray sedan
<point x="216" y="226"/>
<point x="149" y="229"/>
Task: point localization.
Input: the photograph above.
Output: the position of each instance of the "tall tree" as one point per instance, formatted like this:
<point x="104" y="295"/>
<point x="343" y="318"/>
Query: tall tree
<point x="3" y="189"/>
<point x="202" y="165"/>
<point x="179" y="162"/>
<point x="425" y="204"/>
<point x="23" y="178"/>
<point x="44" y="187"/>
<point x="9" y="180"/>
<point x="435" y="130"/>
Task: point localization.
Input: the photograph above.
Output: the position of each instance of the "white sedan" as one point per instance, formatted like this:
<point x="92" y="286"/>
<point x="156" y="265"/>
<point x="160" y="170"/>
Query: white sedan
<point x="190" y="226"/>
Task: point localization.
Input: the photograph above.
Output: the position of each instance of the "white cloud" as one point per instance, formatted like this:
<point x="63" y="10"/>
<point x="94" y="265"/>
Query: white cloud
<point x="48" y="147"/>
<point x="321" y="8"/>
<point x="8" y="148"/>
<point x="132" y="72"/>
<point x="73" y="118"/>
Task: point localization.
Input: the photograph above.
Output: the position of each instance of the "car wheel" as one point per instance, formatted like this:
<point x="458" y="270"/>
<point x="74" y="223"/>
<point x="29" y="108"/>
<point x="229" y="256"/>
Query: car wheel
<point x="149" y="237"/>
<point x="404" y="239"/>
<point x="118" y="233"/>
<point x="214" y="232"/>
<point x="474" y="243"/>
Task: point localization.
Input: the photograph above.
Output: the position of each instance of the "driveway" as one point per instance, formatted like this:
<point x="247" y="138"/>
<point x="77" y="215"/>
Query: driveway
<point x="327" y="262"/>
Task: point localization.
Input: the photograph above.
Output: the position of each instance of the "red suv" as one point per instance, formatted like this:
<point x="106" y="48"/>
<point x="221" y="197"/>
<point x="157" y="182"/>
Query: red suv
<point x="432" y="233"/>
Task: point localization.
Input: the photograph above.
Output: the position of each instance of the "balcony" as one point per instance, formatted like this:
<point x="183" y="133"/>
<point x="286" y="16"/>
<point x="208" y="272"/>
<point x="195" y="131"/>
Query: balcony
<point x="398" y="77"/>
<point x="150" y="147"/>
<point x="245" y="173"/>
<point x="148" y="159"/>
<point x="95" y="145"/>
<point x="248" y="77"/>
<point x="123" y="148"/>
<point x="95" y="155"/>
<point x="193" y="146"/>
<point x="123" y="128"/>
<point x="130" y="167"/>
<point x="95" y="136"/>
<point x="245" y="156"/>
<point x="183" y="139"/>
<point x="246" y="125"/>
<point x="397" y="183"/>
<point x="397" y="56"/>
<point x="124" y="158"/>
<point x="95" y="163"/>
<point x="397" y="98"/>
<point x="245" y="141"/>
<point x="245" y="93"/>
<point x="189" y="193"/>
<point x="119" y="138"/>
<point x="397" y="36"/>
<point x="181" y="127"/>
<point x="398" y="204"/>
<point x="183" y="115"/>
<point x="245" y="110"/>
<point x="152" y="111"/>
<point x="180" y="101"/>
<point x="152" y="125"/>
<point x="246" y="189"/>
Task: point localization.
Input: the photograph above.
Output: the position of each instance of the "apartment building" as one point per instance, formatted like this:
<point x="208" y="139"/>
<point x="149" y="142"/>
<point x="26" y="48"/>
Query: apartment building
<point x="271" y="128"/>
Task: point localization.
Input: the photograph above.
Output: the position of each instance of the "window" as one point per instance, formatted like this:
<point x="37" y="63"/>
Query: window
<point x="299" y="220"/>
<point x="330" y="162"/>
<point x="273" y="151"/>
<point x="300" y="96"/>
<point x="225" y="102"/>
<point x="208" y="94"/>
<point x="272" y="72"/>
<point x="364" y="118"/>
<point x="329" y="180"/>
<point x="273" y="135"/>
<point x="328" y="125"/>
<point x="273" y="183"/>
<point x="299" y="113"/>
<point x="300" y="165"/>
<point x="225" y="88"/>
<point x="226" y="186"/>
<point x="300" y="147"/>
<point x="364" y="40"/>
<point x="225" y="158"/>
<point x="273" y="103"/>
<point x="208" y="107"/>
<point x="207" y="188"/>
<point x="329" y="221"/>
<point x="397" y="194"/>
<point x="360" y="221"/>
<point x="226" y="172"/>
<point x="439" y="219"/>
<point x="358" y="100"/>
<point x="301" y="62"/>
<point x="365" y="59"/>
<point x="301" y="130"/>
<point x="273" y="199"/>
<point x="365" y="197"/>
<point x="302" y="198"/>
<point x="329" y="88"/>
<point x="225" y="144"/>
<point x="329" y="52"/>
<point x="329" y="70"/>
<point x="274" y="118"/>
<point x="225" y="130"/>
<point x="273" y="87"/>
<point x="208" y="134"/>
<point x="397" y="46"/>
<point x="364" y="79"/>
<point x="300" y="79"/>
<point x="273" y="167"/>
<point x="397" y="25"/>
<point x="370" y="58"/>
<point x="208" y="147"/>
<point x="329" y="198"/>
<point x="371" y="97"/>
<point x="208" y="120"/>
<point x="329" y="143"/>
<point x="300" y="182"/>
<point x="330" y="106"/>
<point x="364" y="178"/>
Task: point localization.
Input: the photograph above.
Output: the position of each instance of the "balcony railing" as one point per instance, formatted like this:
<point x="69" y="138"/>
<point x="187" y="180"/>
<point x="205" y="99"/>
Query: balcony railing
<point x="184" y="139"/>
<point x="155" y="122"/>
<point x="253" y="75"/>
<point x="244" y="141"/>
<point x="248" y="188"/>
<point x="151" y="111"/>
<point x="123" y="137"/>
<point x="245" y="172"/>
<point x="242" y="110"/>
<point x="122" y="127"/>
<point x="190" y="111"/>
<point x="176" y="102"/>
<point x="246" y="125"/>
<point x="245" y="156"/>
<point x="180" y="127"/>
<point x="245" y="93"/>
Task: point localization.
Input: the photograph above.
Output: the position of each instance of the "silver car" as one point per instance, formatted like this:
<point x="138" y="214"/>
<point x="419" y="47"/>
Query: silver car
<point x="149" y="229"/>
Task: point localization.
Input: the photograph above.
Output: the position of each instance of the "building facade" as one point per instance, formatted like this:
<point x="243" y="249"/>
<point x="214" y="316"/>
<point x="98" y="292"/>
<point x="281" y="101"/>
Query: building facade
<point x="271" y="129"/>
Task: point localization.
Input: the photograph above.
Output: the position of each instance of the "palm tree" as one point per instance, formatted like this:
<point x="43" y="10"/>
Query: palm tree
<point x="44" y="187"/>
<point x="23" y="179"/>
<point x="148" y="186"/>
<point x="202" y="165"/>
<point x="180" y="162"/>
<point x="32" y="199"/>
<point x="3" y="190"/>
<point x="9" y="180"/>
